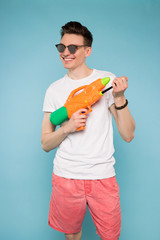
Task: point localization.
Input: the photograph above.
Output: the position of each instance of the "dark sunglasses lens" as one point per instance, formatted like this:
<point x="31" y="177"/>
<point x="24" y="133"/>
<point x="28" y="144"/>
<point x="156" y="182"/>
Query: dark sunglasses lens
<point x="60" y="47"/>
<point x="72" y="48"/>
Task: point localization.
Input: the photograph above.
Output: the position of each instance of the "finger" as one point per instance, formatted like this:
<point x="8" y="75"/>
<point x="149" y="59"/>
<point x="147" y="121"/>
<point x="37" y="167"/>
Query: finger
<point x="82" y="120"/>
<point x="114" y="85"/>
<point x="119" y="79"/>
<point x="81" y="123"/>
<point x="117" y="84"/>
<point x="120" y="84"/>
<point x="82" y="110"/>
<point x="125" y="78"/>
<point x="83" y="116"/>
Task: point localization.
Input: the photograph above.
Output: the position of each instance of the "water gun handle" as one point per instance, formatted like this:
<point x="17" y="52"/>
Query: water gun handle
<point x="89" y="110"/>
<point x="74" y="92"/>
<point x="80" y="128"/>
<point x="72" y="95"/>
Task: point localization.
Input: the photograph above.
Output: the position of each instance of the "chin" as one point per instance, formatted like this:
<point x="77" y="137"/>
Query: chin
<point x="66" y="66"/>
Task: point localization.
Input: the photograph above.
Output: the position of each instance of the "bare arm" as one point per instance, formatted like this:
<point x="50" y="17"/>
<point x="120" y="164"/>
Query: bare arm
<point x="51" y="138"/>
<point x="123" y="118"/>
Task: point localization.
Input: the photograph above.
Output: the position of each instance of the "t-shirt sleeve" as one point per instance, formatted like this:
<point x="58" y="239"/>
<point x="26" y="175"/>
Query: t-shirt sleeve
<point x="110" y="98"/>
<point x="48" y="104"/>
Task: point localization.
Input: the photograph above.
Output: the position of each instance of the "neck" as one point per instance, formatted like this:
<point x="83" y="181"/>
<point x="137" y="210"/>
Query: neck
<point x="79" y="73"/>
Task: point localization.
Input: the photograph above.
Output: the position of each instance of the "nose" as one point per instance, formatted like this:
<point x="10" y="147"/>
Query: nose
<point x="66" y="51"/>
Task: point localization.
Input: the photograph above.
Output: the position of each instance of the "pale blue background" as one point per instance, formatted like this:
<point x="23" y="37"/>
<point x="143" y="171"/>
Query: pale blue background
<point x="126" y="41"/>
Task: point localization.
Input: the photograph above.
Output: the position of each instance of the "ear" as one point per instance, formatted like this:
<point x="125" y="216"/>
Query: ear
<point x="88" y="51"/>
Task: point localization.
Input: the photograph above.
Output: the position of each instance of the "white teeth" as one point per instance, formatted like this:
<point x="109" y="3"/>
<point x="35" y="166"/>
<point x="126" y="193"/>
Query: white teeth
<point x="68" y="59"/>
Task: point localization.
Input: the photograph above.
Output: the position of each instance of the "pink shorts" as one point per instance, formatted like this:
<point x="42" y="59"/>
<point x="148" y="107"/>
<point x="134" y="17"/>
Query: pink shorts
<point x="69" y="201"/>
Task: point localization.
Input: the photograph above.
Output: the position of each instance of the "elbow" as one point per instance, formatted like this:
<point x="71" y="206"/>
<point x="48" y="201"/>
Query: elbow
<point x="128" y="135"/>
<point x="129" y="138"/>
<point x="44" y="146"/>
<point x="45" y="149"/>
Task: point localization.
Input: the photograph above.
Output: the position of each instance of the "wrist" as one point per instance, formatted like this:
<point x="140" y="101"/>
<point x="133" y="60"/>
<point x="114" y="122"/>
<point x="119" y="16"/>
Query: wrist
<point x="122" y="106"/>
<point x="65" y="130"/>
<point x="119" y="101"/>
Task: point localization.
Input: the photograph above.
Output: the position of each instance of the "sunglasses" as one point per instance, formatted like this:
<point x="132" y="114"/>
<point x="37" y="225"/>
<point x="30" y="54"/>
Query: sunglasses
<point x="72" y="48"/>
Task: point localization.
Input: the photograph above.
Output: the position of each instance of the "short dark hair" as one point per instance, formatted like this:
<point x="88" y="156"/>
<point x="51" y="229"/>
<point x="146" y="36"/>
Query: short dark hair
<point x="79" y="29"/>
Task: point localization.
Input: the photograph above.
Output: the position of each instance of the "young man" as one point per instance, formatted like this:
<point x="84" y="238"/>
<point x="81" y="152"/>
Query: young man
<point x="84" y="172"/>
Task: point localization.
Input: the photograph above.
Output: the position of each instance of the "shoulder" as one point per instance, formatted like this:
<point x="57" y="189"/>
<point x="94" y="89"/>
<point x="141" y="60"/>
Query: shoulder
<point x="55" y="86"/>
<point x="102" y="73"/>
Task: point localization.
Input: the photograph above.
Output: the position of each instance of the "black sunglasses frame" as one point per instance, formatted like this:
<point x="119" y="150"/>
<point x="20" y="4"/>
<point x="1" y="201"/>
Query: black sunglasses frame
<point x="70" y="47"/>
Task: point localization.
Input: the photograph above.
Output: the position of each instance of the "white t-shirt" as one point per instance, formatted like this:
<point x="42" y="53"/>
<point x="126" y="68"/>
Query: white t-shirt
<point x="87" y="154"/>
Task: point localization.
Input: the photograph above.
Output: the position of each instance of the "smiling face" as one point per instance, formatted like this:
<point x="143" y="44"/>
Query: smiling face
<point x="77" y="60"/>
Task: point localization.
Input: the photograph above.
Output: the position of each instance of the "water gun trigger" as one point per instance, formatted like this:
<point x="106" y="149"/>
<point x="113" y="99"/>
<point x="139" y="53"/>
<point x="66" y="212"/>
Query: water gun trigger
<point x="89" y="110"/>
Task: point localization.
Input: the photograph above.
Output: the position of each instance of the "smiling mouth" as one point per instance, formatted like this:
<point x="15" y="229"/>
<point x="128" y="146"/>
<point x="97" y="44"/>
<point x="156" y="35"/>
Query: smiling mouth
<point x="67" y="59"/>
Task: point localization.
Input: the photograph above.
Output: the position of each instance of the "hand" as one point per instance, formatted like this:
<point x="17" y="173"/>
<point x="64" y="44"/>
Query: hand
<point x="119" y="85"/>
<point x="77" y="120"/>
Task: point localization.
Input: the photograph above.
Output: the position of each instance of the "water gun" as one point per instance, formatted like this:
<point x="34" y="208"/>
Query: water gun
<point x="91" y="93"/>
